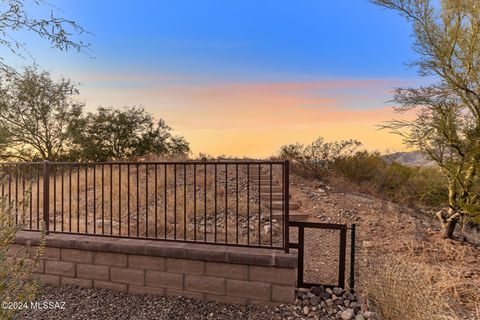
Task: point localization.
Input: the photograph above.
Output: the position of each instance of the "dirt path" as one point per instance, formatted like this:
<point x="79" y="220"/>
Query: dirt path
<point x="382" y="227"/>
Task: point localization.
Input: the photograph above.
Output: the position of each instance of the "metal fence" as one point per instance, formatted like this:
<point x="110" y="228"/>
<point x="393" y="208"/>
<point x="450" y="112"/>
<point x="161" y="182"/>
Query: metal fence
<point x="239" y="203"/>
<point x="326" y="254"/>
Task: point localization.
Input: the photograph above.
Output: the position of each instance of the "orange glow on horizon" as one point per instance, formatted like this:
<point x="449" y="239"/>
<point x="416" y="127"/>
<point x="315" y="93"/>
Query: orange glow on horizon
<point x="255" y="119"/>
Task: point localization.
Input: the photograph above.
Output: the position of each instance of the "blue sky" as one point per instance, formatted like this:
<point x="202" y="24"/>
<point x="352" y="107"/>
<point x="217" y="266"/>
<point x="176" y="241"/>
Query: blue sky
<point x="262" y="40"/>
<point x="177" y="57"/>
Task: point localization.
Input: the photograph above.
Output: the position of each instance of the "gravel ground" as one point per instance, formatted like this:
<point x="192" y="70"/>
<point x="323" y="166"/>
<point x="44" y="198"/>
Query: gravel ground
<point x="100" y="304"/>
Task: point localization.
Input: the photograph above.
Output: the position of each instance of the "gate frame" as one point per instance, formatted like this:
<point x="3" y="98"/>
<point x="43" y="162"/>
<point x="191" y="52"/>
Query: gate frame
<point x="300" y="246"/>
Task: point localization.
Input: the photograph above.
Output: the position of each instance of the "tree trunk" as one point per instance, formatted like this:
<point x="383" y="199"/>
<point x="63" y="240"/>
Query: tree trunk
<point x="448" y="228"/>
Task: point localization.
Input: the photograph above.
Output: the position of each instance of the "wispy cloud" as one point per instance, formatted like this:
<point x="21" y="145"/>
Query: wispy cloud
<point x="255" y="118"/>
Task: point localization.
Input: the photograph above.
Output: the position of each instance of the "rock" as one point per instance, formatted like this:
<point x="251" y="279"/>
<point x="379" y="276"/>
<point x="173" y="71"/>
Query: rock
<point x="348" y="296"/>
<point x="359" y="317"/>
<point x="338" y="302"/>
<point x="337" y="291"/>
<point x="368" y="244"/>
<point x="329" y="302"/>
<point x="306" y="311"/>
<point x="347" y="314"/>
<point x="266" y="229"/>
<point x="314" y="301"/>
<point x="367" y="314"/>
<point x="310" y="295"/>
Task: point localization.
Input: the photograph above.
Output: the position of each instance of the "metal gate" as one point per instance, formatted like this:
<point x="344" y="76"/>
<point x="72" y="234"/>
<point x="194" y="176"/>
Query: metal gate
<point x="337" y="257"/>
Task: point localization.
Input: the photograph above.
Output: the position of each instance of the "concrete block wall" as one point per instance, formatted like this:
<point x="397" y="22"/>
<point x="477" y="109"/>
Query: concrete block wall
<point x="206" y="272"/>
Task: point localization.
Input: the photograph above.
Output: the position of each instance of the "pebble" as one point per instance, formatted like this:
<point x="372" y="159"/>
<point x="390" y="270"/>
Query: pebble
<point x="347" y="314"/>
<point x="335" y="303"/>
<point x="306" y="311"/>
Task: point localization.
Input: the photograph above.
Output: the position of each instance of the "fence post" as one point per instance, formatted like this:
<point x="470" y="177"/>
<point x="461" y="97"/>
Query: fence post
<point x="46" y="195"/>
<point x="342" y="257"/>
<point x="352" y="259"/>
<point x="286" y="205"/>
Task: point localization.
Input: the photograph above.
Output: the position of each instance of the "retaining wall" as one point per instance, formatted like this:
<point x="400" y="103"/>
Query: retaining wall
<point x="206" y="272"/>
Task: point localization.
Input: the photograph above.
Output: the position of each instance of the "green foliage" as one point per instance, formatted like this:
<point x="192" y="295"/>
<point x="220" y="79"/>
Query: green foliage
<point x="15" y="17"/>
<point x="16" y="283"/>
<point x="40" y="120"/>
<point x="114" y="134"/>
<point x="319" y="156"/>
<point x="392" y="180"/>
<point x="35" y="115"/>
<point x="389" y="180"/>
<point x="447" y="124"/>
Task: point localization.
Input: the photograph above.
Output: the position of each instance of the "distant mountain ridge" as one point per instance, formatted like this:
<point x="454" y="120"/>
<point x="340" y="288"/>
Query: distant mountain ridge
<point x="411" y="159"/>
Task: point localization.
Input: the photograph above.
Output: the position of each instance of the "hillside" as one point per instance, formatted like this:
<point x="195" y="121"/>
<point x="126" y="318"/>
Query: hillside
<point x="387" y="231"/>
<point x="412" y="159"/>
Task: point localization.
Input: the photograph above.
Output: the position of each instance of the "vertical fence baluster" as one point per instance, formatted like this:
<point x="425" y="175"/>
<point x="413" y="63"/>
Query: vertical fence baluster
<point x="270" y="218"/>
<point x="226" y="203"/>
<point x="184" y="201"/>
<point x="128" y="199"/>
<point x="352" y="259"/>
<point x="195" y="201"/>
<point x="94" y="199"/>
<point x="111" y="199"/>
<point x="286" y="205"/>
<point x="62" y="194"/>
<point x="31" y="195"/>
<point x="236" y="202"/>
<point x="175" y="201"/>
<point x="156" y="201"/>
<point x="119" y="199"/>
<point x="205" y="202"/>
<point x="165" y="200"/>
<point x="146" y="200"/>
<point x="9" y="186"/>
<point x="3" y="180"/>
<point x="24" y="203"/>
<point x="78" y="198"/>
<point x="86" y="198"/>
<point x="215" y="182"/>
<point x="248" y="203"/>
<point x="69" y="198"/>
<point x="16" y="194"/>
<point x="54" y="197"/>
<point x="138" y="200"/>
<point x="46" y="196"/>
<point x="342" y="257"/>
<point x="103" y="198"/>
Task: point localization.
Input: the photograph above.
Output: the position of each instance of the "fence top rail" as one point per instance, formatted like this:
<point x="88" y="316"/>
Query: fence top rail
<point x="319" y="225"/>
<point x="191" y="162"/>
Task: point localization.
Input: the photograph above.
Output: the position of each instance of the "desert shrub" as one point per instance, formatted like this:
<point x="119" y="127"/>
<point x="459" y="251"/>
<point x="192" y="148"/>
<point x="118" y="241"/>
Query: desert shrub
<point x="16" y="283"/>
<point x="361" y="167"/>
<point x="392" y="180"/>
<point x="317" y="158"/>
<point x="398" y="288"/>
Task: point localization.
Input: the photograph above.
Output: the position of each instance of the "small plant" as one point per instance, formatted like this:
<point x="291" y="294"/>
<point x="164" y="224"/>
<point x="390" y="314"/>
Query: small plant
<point x="397" y="288"/>
<point x="318" y="157"/>
<point x="16" y="263"/>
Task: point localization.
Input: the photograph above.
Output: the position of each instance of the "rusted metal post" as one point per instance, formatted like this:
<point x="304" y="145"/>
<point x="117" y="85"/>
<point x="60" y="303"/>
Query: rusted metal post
<point x="342" y="257"/>
<point x="46" y="195"/>
<point x="352" y="259"/>
<point x="286" y="205"/>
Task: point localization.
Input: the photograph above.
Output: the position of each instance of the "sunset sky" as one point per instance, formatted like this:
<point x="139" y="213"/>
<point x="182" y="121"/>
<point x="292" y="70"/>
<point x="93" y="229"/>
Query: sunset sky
<point x="242" y="77"/>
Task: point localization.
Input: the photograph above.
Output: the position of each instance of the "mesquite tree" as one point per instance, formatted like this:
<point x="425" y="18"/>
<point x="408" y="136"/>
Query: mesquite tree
<point x="36" y="113"/>
<point x="17" y="15"/>
<point x="447" y="123"/>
